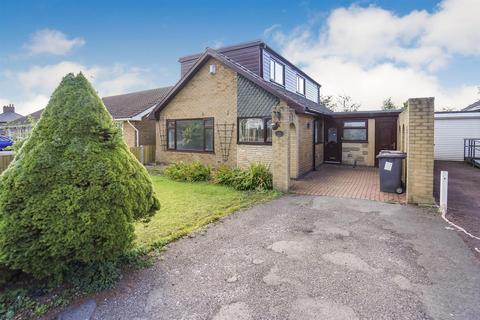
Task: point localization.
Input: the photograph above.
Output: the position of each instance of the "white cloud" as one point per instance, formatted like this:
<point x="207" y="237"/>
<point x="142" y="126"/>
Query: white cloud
<point x="38" y="82"/>
<point x="371" y="54"/>
<point x="48" y="41"/>
<point x="46" y="78"/>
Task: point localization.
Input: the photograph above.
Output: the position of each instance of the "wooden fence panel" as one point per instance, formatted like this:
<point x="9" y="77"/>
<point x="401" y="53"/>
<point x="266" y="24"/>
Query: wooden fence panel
<point x="5" y="158"/>
<point x="144" y="154"/>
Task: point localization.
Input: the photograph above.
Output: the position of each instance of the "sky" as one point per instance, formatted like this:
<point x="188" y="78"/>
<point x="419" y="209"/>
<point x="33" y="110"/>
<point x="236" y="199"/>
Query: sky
<point x="369" y="50"/>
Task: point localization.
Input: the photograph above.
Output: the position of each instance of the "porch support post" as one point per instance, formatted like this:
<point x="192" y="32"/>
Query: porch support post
<point x="281" y="119"/>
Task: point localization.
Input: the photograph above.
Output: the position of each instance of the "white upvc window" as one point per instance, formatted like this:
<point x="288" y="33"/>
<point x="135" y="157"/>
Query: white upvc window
<point x="277" y="71"/>
<point x="300" y="85"/>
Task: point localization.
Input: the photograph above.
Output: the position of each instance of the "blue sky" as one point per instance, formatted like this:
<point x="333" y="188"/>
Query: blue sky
<point x="132" y="45"/>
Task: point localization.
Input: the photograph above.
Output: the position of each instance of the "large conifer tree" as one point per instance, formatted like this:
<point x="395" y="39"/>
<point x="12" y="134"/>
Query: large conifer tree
<point x="74" y="189"/>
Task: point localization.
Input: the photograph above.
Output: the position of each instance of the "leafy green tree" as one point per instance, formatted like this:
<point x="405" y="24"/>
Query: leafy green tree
<point x="73" y="191"/>
<point x="389" y="105"/>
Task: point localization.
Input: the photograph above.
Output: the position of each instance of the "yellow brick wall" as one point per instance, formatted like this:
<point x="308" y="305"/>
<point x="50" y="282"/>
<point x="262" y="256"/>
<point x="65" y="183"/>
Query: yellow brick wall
<point x="247" y="154"/>
<point x="128" y="134"/>
<point x="419" y="123"/>
<point x="305" y="143"/>
<point x="371" y="143"/>
<point x="319" y="146"/>
<point x="204" y="96"/>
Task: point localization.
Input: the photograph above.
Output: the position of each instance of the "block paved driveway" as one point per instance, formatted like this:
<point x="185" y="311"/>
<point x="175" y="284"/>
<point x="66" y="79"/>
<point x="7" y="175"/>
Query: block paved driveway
<point x="345" y="182"/>
<point x="306" y="257"/>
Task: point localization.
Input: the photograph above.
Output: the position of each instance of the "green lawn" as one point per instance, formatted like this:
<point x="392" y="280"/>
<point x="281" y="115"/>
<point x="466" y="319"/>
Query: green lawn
<point x="188" y="206"/>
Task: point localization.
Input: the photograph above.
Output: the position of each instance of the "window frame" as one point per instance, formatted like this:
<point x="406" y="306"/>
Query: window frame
<point x="174" y="121"/>
<point x="304" y="85"/>
<point x="353" y="127"/>
<point x="265" y="142"/>
<point x="318" y="132"/>
<point x="274" y="61"/>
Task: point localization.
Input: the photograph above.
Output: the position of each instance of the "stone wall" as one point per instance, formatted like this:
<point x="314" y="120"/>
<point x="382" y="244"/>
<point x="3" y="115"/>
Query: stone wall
<point x="247" y="154"/>
<point x="355" y="153"/>
<point x="205" y="95"/>
<point x="416" y="128"/>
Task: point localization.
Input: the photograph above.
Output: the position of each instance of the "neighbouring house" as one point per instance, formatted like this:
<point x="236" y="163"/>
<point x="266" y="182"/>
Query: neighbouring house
<point x="7" y="116"/>
<point x="220" y="112"/>
<point x="129" y="110"/>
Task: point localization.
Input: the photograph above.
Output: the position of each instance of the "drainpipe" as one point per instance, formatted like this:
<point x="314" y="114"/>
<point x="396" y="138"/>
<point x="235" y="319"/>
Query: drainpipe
<point x="136" y="133"/>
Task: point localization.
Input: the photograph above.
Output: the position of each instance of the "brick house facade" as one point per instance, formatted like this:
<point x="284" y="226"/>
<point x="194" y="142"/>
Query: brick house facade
<point x="246" y="103"/>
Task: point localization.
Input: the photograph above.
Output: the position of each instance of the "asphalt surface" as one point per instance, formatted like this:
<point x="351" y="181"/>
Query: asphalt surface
<point x="463" y="198"/>
<point x="302" y="257"/>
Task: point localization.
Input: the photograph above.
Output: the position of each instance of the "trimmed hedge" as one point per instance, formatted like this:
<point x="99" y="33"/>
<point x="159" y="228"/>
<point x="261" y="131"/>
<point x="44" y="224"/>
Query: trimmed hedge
<point x="71" y="194"/>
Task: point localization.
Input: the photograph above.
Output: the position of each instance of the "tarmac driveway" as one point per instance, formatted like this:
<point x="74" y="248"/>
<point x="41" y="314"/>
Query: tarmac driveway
<point x="305" y="257"/>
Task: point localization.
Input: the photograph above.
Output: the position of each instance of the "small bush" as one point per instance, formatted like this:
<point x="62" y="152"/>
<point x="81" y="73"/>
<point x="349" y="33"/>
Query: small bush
<point x="256" y="177"/>
<point x="190" y="172"/>
<point x="94" y="277"/>
<point x="225" y="175"/>
<point x="15" y="301"/>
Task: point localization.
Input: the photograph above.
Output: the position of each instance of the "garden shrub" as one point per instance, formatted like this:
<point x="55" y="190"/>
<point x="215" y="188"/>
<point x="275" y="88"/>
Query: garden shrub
<point x="225" y="175"/>
<point x="256" y="176"/>
<point x="94" y="277"/>
<point x="190" y="172"/>
<point x="72" y="193"/>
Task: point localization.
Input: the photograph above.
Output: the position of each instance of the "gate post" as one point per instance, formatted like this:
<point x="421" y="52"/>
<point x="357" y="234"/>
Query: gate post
<point x="281" y="118"/>
<point x="419" y="148"/>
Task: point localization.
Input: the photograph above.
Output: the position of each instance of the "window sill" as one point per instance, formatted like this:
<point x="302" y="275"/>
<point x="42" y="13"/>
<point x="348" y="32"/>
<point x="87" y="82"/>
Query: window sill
<point x="354" y="141"/>
<point x="255" y="143"/>
<point x="191" y="151"/>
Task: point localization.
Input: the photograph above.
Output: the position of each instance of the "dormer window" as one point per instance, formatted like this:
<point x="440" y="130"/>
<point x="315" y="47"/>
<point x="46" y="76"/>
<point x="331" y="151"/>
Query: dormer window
<point x="277" y="72"/>
<point x="300" y="85"/>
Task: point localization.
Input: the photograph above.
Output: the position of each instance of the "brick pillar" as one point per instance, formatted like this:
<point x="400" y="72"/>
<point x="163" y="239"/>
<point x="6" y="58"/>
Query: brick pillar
<point x="419" y="148"/>
<point x="281" y="147"/>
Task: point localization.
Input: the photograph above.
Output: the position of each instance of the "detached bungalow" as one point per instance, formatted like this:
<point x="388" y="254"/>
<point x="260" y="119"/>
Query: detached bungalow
<point x="220" y="112"/>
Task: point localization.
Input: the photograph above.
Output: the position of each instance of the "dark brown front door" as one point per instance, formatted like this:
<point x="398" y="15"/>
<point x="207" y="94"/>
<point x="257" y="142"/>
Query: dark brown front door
<point x="385" y="135"/>
<point x="333" y="144"/>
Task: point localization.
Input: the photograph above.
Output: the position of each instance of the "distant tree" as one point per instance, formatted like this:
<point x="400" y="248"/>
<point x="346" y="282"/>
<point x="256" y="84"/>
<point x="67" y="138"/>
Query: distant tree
<point x="448" y="109"/>
<point x="339" y="103"/>
<point x="344" y="103"/>
<point x="328" y="102"/>
<point x="389" y="105"/>
<point x="73" y="191"/>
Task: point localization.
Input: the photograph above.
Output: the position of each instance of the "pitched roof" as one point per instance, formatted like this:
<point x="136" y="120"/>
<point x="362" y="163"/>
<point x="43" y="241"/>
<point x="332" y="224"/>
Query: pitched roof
<point x="131" y="104"/>
<point x="26" y="120"/>
<point x="122" y="106"/>
<point x="295" y="101"/>
<point x="473" y="107"/>
<point x="7" y="117"/>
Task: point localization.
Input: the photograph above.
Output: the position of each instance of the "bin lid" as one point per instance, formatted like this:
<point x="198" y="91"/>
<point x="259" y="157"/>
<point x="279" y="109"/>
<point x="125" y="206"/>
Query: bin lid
<point x="395" y="154"/>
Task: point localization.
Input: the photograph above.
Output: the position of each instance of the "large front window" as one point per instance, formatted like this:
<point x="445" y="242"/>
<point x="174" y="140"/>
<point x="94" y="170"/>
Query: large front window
<point x="355" y="131"/>
<point x="255" y="130"/>
<point x="276" y="72"/>
<point x="190" y="134"/>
